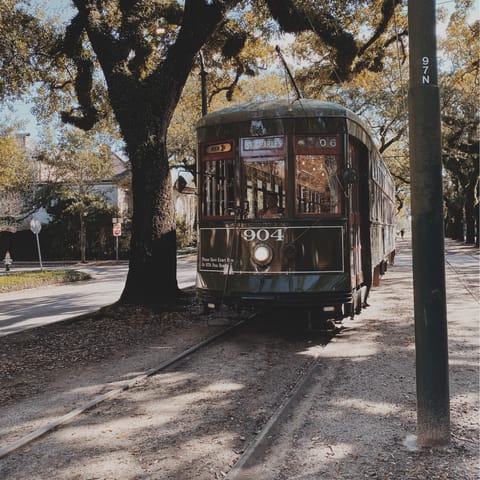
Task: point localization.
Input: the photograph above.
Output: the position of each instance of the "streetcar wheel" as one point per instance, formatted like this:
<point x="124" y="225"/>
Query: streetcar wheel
<point x="348" y="310"/>
<point x="358" y="302"/>
<point x="376" y="276"/>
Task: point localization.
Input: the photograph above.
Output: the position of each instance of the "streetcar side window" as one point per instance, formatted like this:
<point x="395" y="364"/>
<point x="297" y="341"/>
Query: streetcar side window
<point x="317" y="184"/>
<point x="218" y="188"/>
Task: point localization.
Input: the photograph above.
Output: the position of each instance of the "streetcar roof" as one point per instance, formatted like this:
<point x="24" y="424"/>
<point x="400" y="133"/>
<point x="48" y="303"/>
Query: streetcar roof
<point x="281" y="108"/>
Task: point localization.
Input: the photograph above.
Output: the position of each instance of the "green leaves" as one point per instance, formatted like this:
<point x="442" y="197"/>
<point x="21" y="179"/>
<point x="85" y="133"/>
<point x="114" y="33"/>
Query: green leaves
<point x="16" y="171"/>
<point x="24" y="41"/>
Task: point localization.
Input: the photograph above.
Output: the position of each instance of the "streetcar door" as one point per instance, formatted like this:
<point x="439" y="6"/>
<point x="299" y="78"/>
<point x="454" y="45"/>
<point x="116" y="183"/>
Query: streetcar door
<point x="356" y="271"/>
<point x="364" y="210"/>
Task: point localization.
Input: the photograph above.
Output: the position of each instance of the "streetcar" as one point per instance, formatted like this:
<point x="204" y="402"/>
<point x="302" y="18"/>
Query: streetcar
<point x="295" y="208"/>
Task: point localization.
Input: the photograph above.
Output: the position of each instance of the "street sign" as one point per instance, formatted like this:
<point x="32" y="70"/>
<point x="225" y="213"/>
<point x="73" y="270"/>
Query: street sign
<point x="35" y="226"/>
<point x="117" y="229"/>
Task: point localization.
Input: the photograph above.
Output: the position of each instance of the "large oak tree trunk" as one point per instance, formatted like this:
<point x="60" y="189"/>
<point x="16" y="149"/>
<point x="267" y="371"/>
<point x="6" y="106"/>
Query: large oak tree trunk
<point x="152" y="274"/>
<point x="152" y="278"/>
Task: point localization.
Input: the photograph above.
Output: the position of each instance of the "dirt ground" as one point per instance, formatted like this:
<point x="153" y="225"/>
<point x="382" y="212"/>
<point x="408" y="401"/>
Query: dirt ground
<point x="357" y="418"/>
<point x="189" y="422"/>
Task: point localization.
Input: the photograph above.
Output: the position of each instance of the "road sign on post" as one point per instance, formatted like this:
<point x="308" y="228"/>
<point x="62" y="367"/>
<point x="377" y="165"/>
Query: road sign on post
<point x="117" y="229"/>
<point x="35" y="227"/>
<point x="117" y="232"/>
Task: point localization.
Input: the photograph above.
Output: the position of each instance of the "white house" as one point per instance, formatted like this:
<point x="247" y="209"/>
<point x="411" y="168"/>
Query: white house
<point x="116" y="188"/>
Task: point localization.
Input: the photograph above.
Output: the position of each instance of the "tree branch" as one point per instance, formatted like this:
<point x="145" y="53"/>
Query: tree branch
<point x="230" y="88"/>
<point x="296" y="19"/>
<point x="71" y="46"/>
<point x="386" y="144"/>
<point x="388" y="10"/>
<point x="109" y="50"/>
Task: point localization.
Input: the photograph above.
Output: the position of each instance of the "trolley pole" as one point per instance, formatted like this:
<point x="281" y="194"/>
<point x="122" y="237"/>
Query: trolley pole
<point x="203" y="83"/>
<point x="433" y="409"/>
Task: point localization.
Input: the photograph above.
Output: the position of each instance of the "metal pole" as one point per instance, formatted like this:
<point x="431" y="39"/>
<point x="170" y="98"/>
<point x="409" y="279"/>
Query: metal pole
<point x="433" y="409"/>
<point x="116" y="248"/>
<point x="289" y="73"/>
<point x="39" y="253"/>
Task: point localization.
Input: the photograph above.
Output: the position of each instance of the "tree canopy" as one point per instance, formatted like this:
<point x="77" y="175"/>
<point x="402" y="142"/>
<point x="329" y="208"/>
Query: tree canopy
<point x="24" y="41"/>
<point x="460" y="125"/>
<point x="17" y="178"/>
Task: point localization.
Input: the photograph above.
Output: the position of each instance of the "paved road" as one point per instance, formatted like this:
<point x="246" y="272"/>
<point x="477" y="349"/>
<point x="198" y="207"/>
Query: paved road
<point x="31" y="308"/>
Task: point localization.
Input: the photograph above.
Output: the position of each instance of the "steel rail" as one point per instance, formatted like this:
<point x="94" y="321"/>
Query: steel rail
<point x="238" y="472"/>
<point x="48" y="427"/>
<point x="461" y="274"/>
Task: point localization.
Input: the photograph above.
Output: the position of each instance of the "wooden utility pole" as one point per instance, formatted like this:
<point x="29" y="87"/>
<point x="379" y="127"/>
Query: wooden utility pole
<point x="433" y="402"/>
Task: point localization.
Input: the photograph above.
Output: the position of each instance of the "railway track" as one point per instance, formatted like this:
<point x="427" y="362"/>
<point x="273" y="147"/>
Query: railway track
<point x="212" y="415"/>
<point x="50" y="426"/>
<point x="254" y="451"/>
<point x="255" y="430"/>
<point x="465" y="272"/>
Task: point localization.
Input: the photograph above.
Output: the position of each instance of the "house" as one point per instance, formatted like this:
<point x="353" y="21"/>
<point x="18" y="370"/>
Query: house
<point x="15" y="235"/>
<point x="115" y="187"/>
<point x="18" y="239"/>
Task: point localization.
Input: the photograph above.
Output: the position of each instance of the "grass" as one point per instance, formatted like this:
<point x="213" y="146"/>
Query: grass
<point x="21" y="280"/>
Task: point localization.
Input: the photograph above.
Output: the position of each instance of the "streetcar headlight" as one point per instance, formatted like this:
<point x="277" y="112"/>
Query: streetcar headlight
<point x="262" y="254"/>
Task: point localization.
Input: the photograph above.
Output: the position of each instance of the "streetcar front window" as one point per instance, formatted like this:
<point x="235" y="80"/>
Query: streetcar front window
<point x="264" y="188"/>
<point x="317" y="184"/>
<point x="218" y="188"/>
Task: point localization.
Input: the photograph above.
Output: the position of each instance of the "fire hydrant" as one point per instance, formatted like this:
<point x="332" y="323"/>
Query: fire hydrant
<point x="7" y="261"/>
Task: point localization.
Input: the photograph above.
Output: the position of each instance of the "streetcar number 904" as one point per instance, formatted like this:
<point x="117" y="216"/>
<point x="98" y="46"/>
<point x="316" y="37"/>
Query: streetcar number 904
<point x="262" y="235"/>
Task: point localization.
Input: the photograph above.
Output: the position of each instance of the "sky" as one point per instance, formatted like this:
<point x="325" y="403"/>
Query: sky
<point x="62" y="8"/>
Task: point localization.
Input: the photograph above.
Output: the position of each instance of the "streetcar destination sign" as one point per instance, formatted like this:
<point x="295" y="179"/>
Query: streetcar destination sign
<point x="263" y="143"/>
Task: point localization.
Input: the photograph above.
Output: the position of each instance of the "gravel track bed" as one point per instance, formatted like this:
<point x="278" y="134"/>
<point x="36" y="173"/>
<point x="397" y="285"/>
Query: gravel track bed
<point x="192" y="421"/>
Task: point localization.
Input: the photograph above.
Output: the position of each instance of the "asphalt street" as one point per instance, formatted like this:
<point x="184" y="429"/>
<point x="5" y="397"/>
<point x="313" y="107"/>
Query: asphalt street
<point x="25" y="309"/>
